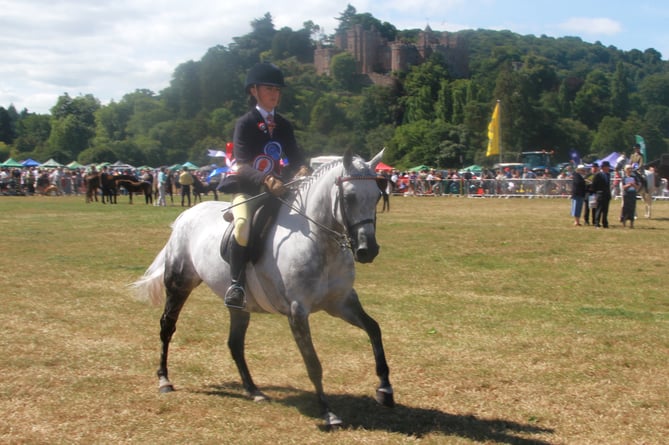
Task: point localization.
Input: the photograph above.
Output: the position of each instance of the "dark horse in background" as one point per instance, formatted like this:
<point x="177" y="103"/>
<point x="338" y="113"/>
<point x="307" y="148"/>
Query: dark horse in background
<point x="108" y="187"/>
<point x="92" y="183"/>
<point x="133" y="186"/>
<point x="202" y="188"/>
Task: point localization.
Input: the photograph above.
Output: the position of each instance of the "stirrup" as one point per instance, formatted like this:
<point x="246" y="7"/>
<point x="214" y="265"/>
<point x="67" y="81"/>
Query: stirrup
<point x="235" y="297"/>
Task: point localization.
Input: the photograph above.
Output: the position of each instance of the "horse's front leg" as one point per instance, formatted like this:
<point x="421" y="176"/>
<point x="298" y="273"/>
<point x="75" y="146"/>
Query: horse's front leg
<point x="352" y="312"/>
<point x="299" y="325"/>
<point x="239" y="323"/>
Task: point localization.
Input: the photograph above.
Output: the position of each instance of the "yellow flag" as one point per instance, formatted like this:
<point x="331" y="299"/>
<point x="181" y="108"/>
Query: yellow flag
<point x="494" y="133"/>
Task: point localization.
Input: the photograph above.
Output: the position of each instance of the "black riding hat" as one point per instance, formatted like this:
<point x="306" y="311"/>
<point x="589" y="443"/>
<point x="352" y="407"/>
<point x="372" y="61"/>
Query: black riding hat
<point x="264" y="73"/>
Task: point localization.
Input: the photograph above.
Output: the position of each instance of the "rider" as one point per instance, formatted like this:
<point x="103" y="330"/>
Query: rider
<point x="263" y="140"/>
<point x="637" y="162"/>
<point x="636" y="157"/>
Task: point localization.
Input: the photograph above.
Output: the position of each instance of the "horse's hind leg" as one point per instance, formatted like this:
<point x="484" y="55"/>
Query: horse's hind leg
<point x="239" y="322"/>
<point x="299" y="325"/>
<point x="177" y="290"/>
<point x="353" y="313"/>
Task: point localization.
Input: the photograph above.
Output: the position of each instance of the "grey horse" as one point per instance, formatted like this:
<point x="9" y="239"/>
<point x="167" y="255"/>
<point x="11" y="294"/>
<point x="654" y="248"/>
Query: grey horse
<point x="307" y="265"/>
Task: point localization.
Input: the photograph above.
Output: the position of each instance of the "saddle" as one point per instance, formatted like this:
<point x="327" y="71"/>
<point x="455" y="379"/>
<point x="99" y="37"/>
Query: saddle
<point x="263" y="219"/>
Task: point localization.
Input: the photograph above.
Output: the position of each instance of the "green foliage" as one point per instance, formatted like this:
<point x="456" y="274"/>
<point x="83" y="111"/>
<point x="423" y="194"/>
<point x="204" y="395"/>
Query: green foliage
<point x="343" y="68"/>
<point x="555" y="93"/>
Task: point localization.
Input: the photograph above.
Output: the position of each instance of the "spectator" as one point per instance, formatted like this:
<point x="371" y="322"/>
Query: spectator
<point x="163" y="177"/>
<point x="601" y="186"/>
<point x="588" y="193"/>
<point x="186" y="181"/>
<point x="577" y="194"/>
<point x="629" y="187"/>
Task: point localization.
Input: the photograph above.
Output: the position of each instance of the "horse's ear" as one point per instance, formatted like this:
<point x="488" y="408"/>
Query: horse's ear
<point x="348" y="159"/>
<point x="376" y="159"/>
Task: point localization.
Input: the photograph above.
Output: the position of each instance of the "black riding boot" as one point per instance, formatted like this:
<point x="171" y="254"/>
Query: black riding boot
<point x="235" y="297"/>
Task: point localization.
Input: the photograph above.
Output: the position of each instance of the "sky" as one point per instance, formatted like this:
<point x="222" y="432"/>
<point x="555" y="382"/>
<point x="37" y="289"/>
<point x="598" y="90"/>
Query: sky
<point x="111" y="48"/>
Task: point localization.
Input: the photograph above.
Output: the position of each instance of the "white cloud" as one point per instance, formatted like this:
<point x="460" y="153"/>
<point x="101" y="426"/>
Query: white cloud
<point x="110" y="48"/>
<point x="591" y="26"/>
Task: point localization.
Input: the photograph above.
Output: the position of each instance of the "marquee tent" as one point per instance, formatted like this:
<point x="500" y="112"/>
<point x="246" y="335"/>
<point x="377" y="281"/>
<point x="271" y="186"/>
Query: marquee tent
<point x="118" y="165"/>
<point x="74" y="165"/>
<point x="612" y="158"/>
<point x="11" y="163"/>
<point x="382" y="167"/>
<point x="30" y="163"/>
<point x="51" y="163"/>
<point x="420" y="168"/>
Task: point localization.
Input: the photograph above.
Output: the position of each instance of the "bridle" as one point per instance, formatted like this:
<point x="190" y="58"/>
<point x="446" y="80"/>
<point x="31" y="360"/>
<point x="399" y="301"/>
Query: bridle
<point x="343" y="238"/>
<point x="340" y="186"/>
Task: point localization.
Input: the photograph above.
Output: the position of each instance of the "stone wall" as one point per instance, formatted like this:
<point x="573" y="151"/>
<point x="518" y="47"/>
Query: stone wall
<point x="375" y="55"/>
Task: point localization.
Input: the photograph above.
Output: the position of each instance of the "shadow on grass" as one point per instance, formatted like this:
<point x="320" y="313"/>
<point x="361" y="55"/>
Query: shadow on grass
<point x="360" y="412"/>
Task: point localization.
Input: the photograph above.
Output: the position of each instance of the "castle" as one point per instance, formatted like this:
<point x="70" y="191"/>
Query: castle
<point x="376" y="57"/>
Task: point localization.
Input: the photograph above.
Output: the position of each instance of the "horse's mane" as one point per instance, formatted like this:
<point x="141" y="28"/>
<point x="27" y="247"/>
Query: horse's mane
<point x="322" y="170"/>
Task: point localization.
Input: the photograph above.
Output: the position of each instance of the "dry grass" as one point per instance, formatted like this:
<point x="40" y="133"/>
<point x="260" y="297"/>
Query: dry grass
<point x="502" y="324"/>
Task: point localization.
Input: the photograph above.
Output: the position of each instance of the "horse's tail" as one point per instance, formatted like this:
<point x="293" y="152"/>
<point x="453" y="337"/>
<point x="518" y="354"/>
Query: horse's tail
<point x="150" y="287"/>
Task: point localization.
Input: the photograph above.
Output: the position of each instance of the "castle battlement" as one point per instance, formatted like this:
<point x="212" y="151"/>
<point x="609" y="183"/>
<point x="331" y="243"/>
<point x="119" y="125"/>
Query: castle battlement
<point x="375" y="55"/>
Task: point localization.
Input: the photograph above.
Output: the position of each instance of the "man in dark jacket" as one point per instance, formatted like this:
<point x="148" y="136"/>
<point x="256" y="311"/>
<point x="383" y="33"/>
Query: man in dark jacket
<point x="601" y="186"/>
<point x="263" y="142"/>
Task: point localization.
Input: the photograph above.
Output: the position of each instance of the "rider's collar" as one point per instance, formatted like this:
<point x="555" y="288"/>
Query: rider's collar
<point x="263" y="112"/>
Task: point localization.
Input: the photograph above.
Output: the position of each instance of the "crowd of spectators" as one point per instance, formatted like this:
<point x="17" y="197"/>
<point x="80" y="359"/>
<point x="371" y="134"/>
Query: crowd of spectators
<point x="502" y="181"/>
<point x="508" y="181"/>
<point x="63" y="181"/>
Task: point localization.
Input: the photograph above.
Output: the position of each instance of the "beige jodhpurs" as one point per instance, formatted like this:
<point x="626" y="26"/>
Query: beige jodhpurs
<point x="242" y="214"/>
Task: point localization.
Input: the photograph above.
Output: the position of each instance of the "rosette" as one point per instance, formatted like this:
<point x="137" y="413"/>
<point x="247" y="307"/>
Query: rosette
<point x="274" y="150"/>
<point x="263" y="163"/>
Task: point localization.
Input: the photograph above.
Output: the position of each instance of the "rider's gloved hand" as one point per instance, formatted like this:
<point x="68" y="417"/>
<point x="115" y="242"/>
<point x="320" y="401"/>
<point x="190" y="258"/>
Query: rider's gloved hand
<point x="274" y="185"/>
<point x="303" y="171"/>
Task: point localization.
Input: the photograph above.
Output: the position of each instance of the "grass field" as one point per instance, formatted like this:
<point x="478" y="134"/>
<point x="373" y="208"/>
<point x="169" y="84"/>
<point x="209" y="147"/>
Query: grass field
<point x="502" y="323"/>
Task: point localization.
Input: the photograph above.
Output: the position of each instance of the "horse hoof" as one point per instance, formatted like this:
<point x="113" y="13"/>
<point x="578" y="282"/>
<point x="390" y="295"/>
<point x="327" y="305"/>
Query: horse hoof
<point x="164" y="386"/>
<point x="332" y="422"/>
<point x="166" y="389"/>
<point x="384" y="396"/>
<point x="258" y="396"/>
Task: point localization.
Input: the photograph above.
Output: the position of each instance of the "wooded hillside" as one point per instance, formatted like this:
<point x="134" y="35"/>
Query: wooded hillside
<point x="558" y="94"/>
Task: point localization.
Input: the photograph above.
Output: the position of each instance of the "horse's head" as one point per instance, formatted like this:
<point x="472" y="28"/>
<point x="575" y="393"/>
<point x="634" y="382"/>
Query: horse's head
<point x="357" y="194"/>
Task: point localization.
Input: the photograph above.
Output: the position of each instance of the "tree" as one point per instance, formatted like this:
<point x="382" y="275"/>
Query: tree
<point x="220" y="77"/>
<point x="343" y="68"/>
<point x="620" y="101"/>
<point x="610" y="136"/>
<point x="184" y="95"/>
<point x="327" y="116"/>
<point x="6" y="126"/>
<point x="72" y="126"/>
<point x="422" y="86"/>
<point x="32" y="133"/>
<point x="654" y="89"/>
<point x="592" y="101"/>
<point x="259" y="40"/>
<point x="288" y="43"/>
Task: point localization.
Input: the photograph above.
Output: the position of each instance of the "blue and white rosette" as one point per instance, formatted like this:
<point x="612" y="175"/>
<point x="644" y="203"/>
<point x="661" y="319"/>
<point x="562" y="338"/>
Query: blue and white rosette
<point x="274" y="150"/>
